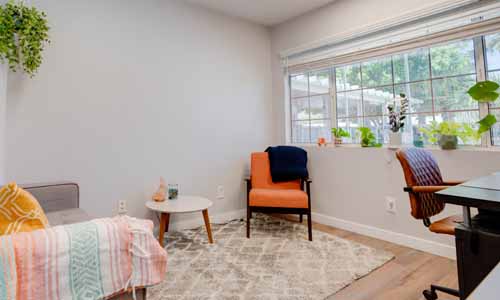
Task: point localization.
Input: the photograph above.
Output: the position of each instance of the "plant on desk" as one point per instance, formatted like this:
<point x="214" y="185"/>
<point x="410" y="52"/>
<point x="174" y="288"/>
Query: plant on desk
<point x="368" y="138"/>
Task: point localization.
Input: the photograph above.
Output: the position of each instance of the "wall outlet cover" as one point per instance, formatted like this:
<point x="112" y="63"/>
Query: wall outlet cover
<point x="390" y="204"/>
<point x="122" y="207"/>
<point x="220" y="192"/>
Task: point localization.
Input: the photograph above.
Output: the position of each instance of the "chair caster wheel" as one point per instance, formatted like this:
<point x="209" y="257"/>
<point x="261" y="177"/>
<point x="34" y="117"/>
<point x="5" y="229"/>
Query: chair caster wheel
<point x="430" y="295"/>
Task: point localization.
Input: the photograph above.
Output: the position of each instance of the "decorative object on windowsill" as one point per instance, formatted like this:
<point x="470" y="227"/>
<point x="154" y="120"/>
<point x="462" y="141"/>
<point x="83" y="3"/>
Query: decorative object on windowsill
<point x="418" y="140"/>
<point x="338" y="134"/>
<point x="446" y="134"/>
<point x="321" y="141"/>
<point x="485" y="92"/>
<point x="396" y="119"/>
<point x="368" y="139"/>
<point x="173" y="191"/>
<point x="23" y="35"/>
<point x="160" y="194"/>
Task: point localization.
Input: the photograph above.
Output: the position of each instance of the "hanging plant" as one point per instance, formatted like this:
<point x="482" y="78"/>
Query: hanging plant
<point x="23" y="35"/>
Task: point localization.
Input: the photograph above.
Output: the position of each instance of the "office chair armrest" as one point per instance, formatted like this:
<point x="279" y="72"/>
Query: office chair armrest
<point x="453" y="182"/>
<point x="425" y="189"/>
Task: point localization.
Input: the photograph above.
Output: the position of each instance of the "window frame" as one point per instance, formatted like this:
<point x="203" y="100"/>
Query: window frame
<point x="481" y="74"/>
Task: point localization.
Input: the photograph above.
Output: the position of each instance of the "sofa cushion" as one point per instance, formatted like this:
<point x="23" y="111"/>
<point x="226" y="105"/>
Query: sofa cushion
<point x="278" y="198"/>
<point x="68" y="216"/>
<point x="19" y="211"/>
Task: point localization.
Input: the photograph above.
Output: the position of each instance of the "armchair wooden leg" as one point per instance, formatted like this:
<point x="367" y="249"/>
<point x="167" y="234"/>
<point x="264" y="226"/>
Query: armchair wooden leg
<point x="249" y="215"/>
<point x="309" y="226"/>
<point x="300" y="218"/>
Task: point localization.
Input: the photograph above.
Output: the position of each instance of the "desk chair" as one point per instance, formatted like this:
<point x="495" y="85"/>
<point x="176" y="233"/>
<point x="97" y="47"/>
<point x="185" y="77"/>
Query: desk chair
<point x="423" y="179"/>
<point x="266" y="196"/>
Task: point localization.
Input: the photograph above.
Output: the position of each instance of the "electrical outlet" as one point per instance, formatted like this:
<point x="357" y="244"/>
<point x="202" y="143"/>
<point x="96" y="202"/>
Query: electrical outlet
<point x="220" y="192"/>
<point x="122" y="207"/>
<point x="390" y="204"/>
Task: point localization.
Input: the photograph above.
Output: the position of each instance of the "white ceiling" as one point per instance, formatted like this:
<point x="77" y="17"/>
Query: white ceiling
<point x="265" y="12"/>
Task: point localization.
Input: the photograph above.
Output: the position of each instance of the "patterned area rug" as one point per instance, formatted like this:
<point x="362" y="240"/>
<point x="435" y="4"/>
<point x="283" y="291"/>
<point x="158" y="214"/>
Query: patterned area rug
<point x="277" y="262"/>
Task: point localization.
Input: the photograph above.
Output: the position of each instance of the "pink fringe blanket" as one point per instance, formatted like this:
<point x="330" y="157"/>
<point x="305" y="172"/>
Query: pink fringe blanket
<point x="90" y="260"/>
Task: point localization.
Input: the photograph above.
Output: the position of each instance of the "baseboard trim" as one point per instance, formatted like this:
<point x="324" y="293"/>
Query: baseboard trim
<point x="387" y="235"/>
<point x="194" y="222"/>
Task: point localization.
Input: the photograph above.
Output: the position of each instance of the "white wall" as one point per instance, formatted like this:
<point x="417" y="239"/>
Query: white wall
<point x="133" y="90"/>
<point x="351" y="183"/>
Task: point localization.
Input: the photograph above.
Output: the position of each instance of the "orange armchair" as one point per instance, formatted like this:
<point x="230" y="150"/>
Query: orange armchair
<point x="263" y="195"/>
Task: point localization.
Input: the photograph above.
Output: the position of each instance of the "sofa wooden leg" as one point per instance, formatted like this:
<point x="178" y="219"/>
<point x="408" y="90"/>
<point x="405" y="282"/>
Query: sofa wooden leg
<point x="249" y="215"/>
<point x="309" y="226"/>
<point x="300" y="218"/>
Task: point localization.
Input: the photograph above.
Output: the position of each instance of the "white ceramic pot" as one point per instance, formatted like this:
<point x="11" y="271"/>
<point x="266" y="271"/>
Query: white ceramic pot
<point x="395" y="139"/>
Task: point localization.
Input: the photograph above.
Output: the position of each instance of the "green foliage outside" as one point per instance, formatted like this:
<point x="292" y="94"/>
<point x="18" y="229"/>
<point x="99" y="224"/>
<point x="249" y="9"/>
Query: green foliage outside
<point x="23" y="35"/>
<point x="368" y="139"/>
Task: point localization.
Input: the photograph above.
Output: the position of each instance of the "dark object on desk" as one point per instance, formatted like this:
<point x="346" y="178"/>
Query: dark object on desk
<point x="477" y="254"/>
<point x="287" y="163"/>
<point x="423" y="179"/>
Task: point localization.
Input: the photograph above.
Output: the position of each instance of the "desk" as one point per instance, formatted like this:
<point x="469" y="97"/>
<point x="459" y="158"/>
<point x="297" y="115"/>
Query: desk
<point x="482" y="193"/>
<point x="477" y="247"/>
<point x="488" y="288"/>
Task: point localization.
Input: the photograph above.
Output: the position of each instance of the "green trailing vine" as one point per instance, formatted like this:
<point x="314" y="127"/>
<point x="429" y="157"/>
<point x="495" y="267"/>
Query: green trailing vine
<point x="23" y="35"/>
<point x="368" y="138"/>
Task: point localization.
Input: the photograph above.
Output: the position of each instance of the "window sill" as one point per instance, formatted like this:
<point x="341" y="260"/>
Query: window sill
<point x="387" y="147"/>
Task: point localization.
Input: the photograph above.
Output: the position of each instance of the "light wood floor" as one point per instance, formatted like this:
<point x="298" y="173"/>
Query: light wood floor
<point x="403" y="278"/>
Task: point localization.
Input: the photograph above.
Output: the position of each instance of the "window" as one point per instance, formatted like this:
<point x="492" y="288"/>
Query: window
<point x="492" y="43"/>
<point x="435" y="80"/>
<point x="310" y="106"/>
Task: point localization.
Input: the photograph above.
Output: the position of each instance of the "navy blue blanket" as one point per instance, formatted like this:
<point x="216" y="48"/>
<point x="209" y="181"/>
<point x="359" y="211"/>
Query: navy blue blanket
<point x="287" y="163"/>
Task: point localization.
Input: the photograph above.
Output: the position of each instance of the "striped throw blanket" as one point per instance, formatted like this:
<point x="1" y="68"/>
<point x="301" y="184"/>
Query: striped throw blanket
<point x="90" y="260"/>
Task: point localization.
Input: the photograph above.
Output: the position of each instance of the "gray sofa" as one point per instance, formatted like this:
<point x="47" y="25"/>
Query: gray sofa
<point x="61" y="203"/>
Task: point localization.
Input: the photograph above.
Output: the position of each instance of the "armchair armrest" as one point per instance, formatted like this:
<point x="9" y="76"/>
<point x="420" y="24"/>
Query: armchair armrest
<point x="425" y="189"/>
<point x="453" y="182"/>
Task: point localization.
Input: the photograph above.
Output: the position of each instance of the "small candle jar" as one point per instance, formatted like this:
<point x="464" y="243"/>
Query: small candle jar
<point x="173" y="191"/>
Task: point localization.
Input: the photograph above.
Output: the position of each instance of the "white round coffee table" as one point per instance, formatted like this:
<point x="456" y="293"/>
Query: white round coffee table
<point x="183" y="204"/>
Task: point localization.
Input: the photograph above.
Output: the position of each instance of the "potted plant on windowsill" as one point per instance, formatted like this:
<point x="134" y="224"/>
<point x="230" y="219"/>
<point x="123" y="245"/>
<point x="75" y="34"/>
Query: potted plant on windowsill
<point x="338" y="134"/>
<point x="396" y="119"/>
<point x="368" y="138"/>
<point x="447" y="133"/>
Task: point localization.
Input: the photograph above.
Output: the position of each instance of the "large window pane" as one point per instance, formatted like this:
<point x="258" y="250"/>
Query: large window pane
<point x="493" y="51"/>
<point x="300" y="109"/>
<point x="320" y="107"/>
<point x="350" y="125"/>
<point x="451" y="93"/>
<point x="419" y="95"/>
<point x="376" y="124"/>
<point x="495" y="132"/>
<point x="494" y="76"/>
<point x="413" y="123"/>
<point x="412" y="66"/>
<point x="453" y="59"/>
<point x="376" y="72"/>
<point x="300" y="132"/>
<point x="299" y="86"/>
<point x="349" y="104"/>
<point x="348" y="77"/>
<point x="375" y="100"/>
<point x="319" y="82"/>
<point x="321" y="128"/>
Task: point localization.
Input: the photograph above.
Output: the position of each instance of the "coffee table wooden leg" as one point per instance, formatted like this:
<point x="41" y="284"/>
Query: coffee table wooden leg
<point x="164" y="221"/>
<point x="207" y="224"/>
